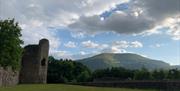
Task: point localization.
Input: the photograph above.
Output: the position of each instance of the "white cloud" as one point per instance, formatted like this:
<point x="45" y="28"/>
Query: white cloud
<point x="70" y="44"/>
<point x="69" y="55"/>
<point x="113" y="49"/>
<point x="34" y="30"/>
<point x="136" y="44"/>
<point x="175" y="34"/>
<point x="173" y="24"/>
<point x="102" y="46"/>
<point x="126" y="44"/>
<point x="157" y="45"/>
<point x="116" y="46"/>
<point x="121" y="46"/>
<point x="90" y="44"/>
<point x="83" y="53"/>
<point x="61" y="54"/>
<point x="152" y="31"/>
<point x="78" y="35"/>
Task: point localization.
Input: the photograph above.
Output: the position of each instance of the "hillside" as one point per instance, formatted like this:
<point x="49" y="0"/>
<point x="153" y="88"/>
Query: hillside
<point x="126" y="60"/>
<point x="175" y="67"/>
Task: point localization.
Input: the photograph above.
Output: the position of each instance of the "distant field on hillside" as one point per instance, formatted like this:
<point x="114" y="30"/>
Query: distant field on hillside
<point x="62" y="87"/>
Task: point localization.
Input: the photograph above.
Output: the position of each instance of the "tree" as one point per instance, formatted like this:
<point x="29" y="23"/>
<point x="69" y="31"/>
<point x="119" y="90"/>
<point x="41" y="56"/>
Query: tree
<point x="10" y="49"/>
<point x="142" y="74"/>
<point x="62" y="71"/>
<point x="158" y="74"/>
<point x="113" y="73"/>
<point x="83" y="77"/>
<point x="173" y="74"/>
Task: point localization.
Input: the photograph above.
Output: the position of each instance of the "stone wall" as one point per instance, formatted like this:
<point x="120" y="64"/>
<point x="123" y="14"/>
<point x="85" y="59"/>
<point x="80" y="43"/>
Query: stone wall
<point x="8" y="77"/>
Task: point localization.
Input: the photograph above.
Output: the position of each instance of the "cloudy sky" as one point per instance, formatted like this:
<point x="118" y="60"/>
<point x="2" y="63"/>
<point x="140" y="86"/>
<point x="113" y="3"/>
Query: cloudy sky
<point x="82" y="28"/>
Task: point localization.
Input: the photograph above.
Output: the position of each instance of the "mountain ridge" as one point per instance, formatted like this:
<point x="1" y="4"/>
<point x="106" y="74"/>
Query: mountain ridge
<point x="126" y="60"/>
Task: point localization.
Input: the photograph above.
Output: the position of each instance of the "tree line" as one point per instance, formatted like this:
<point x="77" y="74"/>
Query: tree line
<point x="142" y="74"/>
<point x="66" y="70"/>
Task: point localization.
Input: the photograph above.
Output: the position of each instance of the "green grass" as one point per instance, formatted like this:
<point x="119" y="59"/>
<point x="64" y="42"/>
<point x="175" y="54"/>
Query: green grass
<point x="62" y="87"/>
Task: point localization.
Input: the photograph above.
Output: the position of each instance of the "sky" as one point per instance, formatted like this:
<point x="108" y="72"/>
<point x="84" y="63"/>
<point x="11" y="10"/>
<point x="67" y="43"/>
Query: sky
<point x="82" y="28"/>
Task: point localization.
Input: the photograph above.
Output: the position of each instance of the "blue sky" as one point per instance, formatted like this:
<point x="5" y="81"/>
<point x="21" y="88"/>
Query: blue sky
<point x="83" y="28"/>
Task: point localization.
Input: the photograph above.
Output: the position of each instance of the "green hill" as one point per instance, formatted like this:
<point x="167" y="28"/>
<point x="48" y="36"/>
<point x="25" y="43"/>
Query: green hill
<point x="126" y="60"/>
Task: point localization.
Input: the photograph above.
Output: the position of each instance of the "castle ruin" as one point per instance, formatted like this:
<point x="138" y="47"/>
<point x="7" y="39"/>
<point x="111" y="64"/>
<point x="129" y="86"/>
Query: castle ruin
<point x="35" y="63"/>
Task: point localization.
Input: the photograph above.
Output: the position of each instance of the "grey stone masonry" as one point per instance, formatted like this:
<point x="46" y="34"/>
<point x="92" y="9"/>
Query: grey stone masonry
<point x="8" y="77"/>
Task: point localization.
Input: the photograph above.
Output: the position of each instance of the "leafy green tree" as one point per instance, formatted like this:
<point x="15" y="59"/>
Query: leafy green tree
<point x="173" y="74"/>
<point x="158" y="74"/>
<point x="115" y="72"/>
<point x="142" y="74"/>
<point x="81" y="70"/>
<point x="10" y="49"/>
<point x="62" y="71"/>
<point x="83" y="77"/>
<point x="122" y="73"/>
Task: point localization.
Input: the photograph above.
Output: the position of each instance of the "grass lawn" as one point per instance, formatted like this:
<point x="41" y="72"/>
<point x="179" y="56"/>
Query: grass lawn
<point x="62" y="87"/>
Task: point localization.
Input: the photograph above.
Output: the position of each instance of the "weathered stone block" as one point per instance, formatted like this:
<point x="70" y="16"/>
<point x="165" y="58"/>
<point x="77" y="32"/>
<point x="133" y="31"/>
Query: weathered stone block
<point x="8" y="77"/>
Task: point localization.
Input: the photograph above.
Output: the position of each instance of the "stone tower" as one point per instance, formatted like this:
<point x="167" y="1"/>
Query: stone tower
<point x="35" y="63"/>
